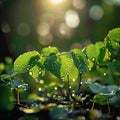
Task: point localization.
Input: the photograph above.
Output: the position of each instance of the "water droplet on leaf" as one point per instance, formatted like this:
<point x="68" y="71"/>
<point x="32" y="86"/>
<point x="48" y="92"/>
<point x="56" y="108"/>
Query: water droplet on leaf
<point x="55" y="88"/>
<point x="41" y="81"/>
<point x="30" y="73"/>
<point x="104" y="74"/>
<point x="40" y="89"/>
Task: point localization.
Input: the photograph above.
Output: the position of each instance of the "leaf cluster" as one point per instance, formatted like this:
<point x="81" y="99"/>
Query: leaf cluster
<point x="57" y="71"/>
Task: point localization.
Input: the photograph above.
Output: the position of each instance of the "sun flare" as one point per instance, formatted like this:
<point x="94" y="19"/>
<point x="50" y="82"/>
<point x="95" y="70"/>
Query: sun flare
<point x="56" y="1"/>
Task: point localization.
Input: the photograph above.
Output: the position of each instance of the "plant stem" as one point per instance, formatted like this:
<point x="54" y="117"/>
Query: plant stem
<point x="18" y="96"/>
<point x="69" y="91"/>
<point x="9" y="76"/>
<point x="92" y="106"/>
<point x="80" y="79"/>
<point x="108" y="106"/>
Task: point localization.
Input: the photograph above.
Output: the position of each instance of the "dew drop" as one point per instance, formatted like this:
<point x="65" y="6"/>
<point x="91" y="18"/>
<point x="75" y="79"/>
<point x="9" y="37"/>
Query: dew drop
<point x="30" y="73"/>
<point x="73" y="94"/>
<point x="104" y="74"/>
<point x="73" y="80"/>
<point x="19" y="86"/>
<point x="63" y="79"/>
<point x="48" y="94"/>
<point x="34" y="105"/>
<point x="36" y="60"/>
<point x="28" y="68"/>
<point x="66" y="108"/>
<point x="41" y="81"/>
<point x="55" y="88"/>
<point x="17" y="65"/>
<point x="40" y="73"/>
<point x="61" y="85"/>
<point x="54" y="96"/>
<point x="113" y="92"/>
<point x="66" y="70"/>
<point x="40" y="89"/>
<point x="36" y="80"/>
<point x="81" y="83"/>
<point x="116" y="43"/>
<point x="89" y="69"/>
<point x="93" y="59"/>
<point x="97" y="66"/>
<point x="12" y="89"/>
<point x="60" y="106"/>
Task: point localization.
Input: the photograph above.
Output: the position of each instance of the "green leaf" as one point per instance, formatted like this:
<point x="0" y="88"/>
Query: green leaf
<point x="95" y="87"/>
<point x="58" y="113"/>
<point x="18" y="84"/>
<point x="61" y="65"/>
<point x="112" y="41"/>
<point x="38" y="70"/>
<point x="48" y="50"/>
<point x="80" y="60"/>
<point x="114" y="34"/>
<point x="114" y="66"/>
<point x="53" y="64"/>
<point x="98" y="88"/>
<point x="26" y="61"/>
<point x="92" y="51"/>
<point x="115" y="100"/>
<point x="67" y="66"/>
<point x="104" y="54"/>
<point x="100" y="99"/>
<point x="97" y="53"/>
<point x="7" y="98"/>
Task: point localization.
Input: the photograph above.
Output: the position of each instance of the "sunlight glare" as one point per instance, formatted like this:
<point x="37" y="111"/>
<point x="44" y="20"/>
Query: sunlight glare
<point x="56" y="1"/>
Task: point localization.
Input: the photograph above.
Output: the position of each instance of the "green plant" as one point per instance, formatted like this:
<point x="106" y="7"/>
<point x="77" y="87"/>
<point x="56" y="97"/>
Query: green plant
<point x="66" y="76"/>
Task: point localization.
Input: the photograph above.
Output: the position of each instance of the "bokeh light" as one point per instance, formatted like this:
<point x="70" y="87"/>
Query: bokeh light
<point x="96" y="12"/>
<point x="72" y="18"/>
<point x="117" y="2"/>
<point x="76" y="45"/>
<point x="112" y="2"/>
<point x="5" y="27"/>
<point x="79" y="4"/>
<point x="64" y="30"/>
<point x="23" y="29"/>
<point x="108" y="2"/>
<point x="43" y="29"/>
<point x="45" y="40"/>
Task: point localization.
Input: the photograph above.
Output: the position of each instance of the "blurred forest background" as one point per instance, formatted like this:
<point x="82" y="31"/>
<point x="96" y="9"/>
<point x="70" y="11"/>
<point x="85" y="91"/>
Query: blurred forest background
<point x="33" y="24"/>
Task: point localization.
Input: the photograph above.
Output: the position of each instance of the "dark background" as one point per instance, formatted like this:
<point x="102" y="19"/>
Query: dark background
<point x="19" y="20"/>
